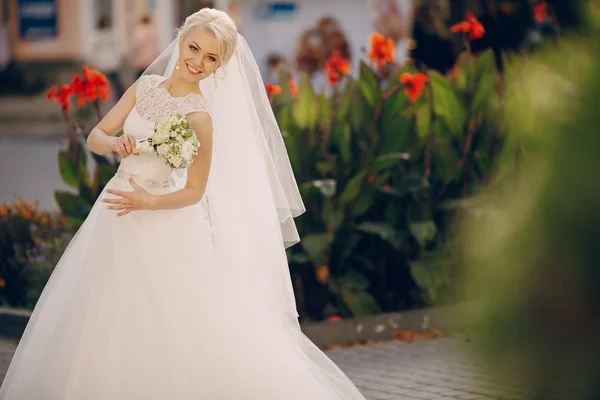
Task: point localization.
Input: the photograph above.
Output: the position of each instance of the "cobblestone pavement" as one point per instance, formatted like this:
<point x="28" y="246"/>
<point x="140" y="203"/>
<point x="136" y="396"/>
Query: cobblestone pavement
<point x="424" y="370"/>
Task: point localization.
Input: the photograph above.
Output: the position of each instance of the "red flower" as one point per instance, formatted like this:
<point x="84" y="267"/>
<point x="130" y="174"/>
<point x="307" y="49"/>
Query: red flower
<point x="335" y="67"/>
<point x="414" y="84"/>
<point x="371" y="179"/>
<point x="540" y="11"/>
<point x="293" y="87"/>
<point x="387" y="186"/>
<point x="469" y="26"/>
<point x="90" y="87"/>
<point x="60" y="96"/>
<point x="272" y="89"/>
<point x="334" y="318"/>
<point x="382" y="50"/>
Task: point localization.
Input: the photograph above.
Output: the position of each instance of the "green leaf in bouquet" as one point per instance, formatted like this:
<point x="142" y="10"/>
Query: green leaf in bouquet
<point x="423" y="232"/>
<point x="305" y="108"/>
<point x="317" y="246"/>
<point x="447" y="104"/>
<point x="369" y="85"/>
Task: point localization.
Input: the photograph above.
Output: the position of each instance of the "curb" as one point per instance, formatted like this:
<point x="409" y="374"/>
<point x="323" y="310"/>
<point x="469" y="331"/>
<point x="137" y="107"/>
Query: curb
<point x="447" y="318"/>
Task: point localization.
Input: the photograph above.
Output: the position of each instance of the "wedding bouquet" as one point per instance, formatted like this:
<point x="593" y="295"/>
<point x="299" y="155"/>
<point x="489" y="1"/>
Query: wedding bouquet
<point x="174" y="140"/>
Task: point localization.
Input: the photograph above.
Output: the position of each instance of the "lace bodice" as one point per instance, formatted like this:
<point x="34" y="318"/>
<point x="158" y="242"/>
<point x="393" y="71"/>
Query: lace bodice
<point x="153" y="100"/>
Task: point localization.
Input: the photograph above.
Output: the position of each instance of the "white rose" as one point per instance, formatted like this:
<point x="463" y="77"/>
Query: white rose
<point x="176" y="161"/>
<point x="187" y="150"/>
<point x="163" y="149"/>
<point x="161" y="136"/>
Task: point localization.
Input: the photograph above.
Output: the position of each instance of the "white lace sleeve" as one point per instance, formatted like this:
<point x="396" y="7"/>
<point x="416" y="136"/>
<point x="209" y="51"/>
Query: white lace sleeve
<point x="194" y="103"/>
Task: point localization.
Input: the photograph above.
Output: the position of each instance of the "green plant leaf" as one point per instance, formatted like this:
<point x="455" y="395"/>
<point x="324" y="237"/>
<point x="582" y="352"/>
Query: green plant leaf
<point x="102" y="176"/>
<point x="317" y="246"/>
<point x="420" y="274"/>
<point x="368" y="84"/>
<point x="353" y="188"/>
<point x="324" y="112"/>
<point x="398" y="136"/>
<point x="327" y="187"/>
<point x="68" y="168"/>
<point x="345" y="100"/>
<point x="423" y="232"/>
<point x="332" y="217"/>
<point x="73" y="207"/>
<point x="392" y="108"/>
<point x="389" y="160"/>
<point x="385" y="232"/>
<point x="423" y="119"/>
<point x="447" y="104"/>
<point x="305" y="108"/>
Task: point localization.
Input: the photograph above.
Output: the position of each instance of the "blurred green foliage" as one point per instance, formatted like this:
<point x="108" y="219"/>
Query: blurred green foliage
<point x="532" y="251"/>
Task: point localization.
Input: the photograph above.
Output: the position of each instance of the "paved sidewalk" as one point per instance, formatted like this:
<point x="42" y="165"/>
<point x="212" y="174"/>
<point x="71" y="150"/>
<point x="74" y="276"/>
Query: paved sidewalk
<point x="424" y="370"/>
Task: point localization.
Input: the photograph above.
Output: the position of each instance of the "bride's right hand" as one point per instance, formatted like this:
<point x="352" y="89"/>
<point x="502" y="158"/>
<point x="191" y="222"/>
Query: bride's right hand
<point x="124" y="146"/>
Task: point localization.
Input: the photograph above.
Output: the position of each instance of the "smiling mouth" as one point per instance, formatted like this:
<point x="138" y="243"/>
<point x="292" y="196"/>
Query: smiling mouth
<point x="192" y="70"/>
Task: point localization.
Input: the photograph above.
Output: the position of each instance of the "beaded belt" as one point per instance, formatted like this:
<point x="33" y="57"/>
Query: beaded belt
<point x="147" y="182"/>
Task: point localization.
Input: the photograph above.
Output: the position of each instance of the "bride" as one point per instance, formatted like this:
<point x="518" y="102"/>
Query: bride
<point x="177" y="284"/>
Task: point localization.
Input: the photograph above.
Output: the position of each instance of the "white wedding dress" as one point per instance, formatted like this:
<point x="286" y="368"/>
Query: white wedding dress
<point x="140" y="308"/>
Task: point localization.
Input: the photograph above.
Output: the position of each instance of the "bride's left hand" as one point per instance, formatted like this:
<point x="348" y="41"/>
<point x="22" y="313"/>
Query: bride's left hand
<point x="139" y="199"/>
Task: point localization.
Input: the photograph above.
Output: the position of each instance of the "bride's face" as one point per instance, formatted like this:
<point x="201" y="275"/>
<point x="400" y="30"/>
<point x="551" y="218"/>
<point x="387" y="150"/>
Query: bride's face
<point x="199" y="55"/>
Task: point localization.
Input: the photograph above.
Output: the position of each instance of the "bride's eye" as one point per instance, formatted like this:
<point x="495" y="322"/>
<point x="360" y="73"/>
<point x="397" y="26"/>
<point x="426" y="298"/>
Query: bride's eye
<point x="193" y="48"/>
<point x="211" y="58"/>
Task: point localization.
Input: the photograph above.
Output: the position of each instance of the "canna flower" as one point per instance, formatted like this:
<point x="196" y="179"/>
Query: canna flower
<point x="60" y="96"/>
<point x="414" y="84"/>
<point x="272" y="89"/>
<point x="91" y="86"/>
<point x="382" y="50"/>
<point x="540" y="11"/>
<point x="323" y="274"/>
<point x="470" y="26"/>
<point x="335" y="67"/>
<point x="293" y="87"/>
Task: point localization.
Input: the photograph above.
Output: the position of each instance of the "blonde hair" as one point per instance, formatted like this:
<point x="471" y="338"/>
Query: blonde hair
<point x="217" y="22"/>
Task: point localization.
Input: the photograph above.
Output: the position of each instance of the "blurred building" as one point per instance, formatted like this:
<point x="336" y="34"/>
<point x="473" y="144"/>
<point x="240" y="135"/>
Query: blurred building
<point x="53" y="30"/>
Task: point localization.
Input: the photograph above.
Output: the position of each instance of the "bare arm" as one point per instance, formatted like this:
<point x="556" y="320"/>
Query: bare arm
<point x="102" y="140"/>
<point x="197" y="178"/>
